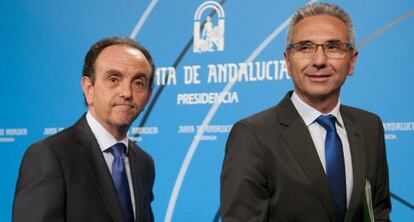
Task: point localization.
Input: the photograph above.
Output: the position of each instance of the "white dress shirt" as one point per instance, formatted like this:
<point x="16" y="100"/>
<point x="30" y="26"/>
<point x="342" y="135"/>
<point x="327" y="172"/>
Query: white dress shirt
<point x="105" y="141"/>
<point x="318" y="134"/>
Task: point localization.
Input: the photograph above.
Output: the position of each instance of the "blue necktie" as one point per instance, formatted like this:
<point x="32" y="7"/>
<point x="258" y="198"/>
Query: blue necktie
<point x="121" y="181"/>
<point x="335" y="167"/>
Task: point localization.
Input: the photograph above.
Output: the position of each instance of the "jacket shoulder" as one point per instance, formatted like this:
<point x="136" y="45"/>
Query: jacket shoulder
<point x="56" y="140"/>
<point x="268" y="116"/>
<point x="359" y="115"/>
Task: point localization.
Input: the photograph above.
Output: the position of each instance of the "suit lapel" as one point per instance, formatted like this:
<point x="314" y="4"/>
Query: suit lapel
<point x="137" y="173"/>
<point x="98" y="170"/>
<point x="356" y="144"/>
<point x="305" y="152"/>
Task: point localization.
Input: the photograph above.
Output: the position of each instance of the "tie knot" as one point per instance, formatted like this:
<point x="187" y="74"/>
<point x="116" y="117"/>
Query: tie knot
<point x="117" y="150"/>
<point x="327" y="122"/>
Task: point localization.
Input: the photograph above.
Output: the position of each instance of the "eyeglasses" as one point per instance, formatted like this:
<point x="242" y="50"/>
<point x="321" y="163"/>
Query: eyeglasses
<point x="333" y="50"/>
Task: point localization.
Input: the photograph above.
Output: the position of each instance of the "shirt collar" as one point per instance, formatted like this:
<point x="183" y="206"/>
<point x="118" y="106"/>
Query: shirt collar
<point x="310" y="114"/>
<point x="104" y="138"/>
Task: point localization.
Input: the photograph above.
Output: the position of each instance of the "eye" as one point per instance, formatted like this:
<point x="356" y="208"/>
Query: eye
<point x="332" y="46"/>
<point x="140" y="83"/>
<point x="113" y="79"/>
<point x="306" y="47"/>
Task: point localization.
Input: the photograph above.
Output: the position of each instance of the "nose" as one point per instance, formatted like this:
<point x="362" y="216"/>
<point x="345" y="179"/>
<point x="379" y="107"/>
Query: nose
<point x="125" y="90"/>
<point x="319" y="59"/>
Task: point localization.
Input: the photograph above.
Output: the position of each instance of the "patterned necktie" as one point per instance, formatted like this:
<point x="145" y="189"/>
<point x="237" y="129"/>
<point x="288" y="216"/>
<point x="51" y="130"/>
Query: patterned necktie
<point x="335" y="167"/>
<point x="121" y="181"/>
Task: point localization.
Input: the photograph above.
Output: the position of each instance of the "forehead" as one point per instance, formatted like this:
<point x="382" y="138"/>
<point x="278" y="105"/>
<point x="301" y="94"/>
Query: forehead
<point x="320" y="28"/>
<point x="122" y="57"/>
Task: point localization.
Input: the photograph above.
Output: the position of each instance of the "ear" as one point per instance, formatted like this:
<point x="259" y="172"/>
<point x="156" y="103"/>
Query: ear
<point x="353" y="62"/>
<point x="286" y="56"/>
<point x="87" y="88"/>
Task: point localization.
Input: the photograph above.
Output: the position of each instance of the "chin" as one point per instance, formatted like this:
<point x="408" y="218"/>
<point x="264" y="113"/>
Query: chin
<point x="122" y="122"/>
<point x="323" y="93"/>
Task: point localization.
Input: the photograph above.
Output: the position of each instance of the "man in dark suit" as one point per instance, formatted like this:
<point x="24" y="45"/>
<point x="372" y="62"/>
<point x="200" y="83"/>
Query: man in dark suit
<point x="91" y="171"/>
<point x="309" y="158"/>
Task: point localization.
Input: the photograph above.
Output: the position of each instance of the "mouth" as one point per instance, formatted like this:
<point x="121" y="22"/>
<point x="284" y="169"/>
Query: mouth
<point x="318" y="77"/>
<point x="123" y="106"/>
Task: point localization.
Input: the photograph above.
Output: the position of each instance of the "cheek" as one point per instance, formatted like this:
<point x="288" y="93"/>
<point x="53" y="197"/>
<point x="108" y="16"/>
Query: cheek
<point x="342" y="69"/>
<point x="297" y="72"/>
<point x="141" y="99"/>
<point x="298" y="67"/>
<point x="103" y="97"/>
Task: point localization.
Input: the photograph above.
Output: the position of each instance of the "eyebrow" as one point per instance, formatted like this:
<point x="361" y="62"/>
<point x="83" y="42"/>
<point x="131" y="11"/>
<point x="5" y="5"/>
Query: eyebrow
<point x="333" y="41"/>
<point x="304" y="42"/>
<point x="140" y="75"/>
<point x="113" y="72"/>
<point x="309" y="41"/>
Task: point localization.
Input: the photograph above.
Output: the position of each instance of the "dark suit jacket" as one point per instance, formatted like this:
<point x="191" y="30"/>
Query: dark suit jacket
<point x="272" y="172"/>
<point x="65" y="178"/>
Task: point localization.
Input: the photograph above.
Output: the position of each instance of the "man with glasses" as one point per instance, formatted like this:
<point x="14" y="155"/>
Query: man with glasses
<point x="309" y="158"/>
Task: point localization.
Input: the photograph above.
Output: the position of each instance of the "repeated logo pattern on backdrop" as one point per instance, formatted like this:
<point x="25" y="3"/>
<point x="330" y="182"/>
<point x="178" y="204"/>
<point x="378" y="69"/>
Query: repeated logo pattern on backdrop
<point x="217" y="62"/>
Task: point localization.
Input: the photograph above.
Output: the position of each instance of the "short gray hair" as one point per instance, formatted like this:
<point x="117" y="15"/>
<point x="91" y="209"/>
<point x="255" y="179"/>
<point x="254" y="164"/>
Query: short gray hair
<point x="321" y="8"/>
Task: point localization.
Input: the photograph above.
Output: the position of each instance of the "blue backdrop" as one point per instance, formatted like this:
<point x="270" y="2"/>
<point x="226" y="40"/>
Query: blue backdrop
<point x="185" y="128"/>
